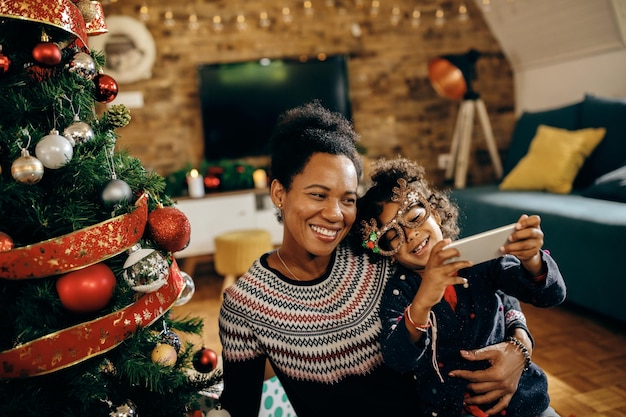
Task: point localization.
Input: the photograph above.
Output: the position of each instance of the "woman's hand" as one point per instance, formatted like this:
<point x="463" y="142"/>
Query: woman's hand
<point x="499" y="382"/>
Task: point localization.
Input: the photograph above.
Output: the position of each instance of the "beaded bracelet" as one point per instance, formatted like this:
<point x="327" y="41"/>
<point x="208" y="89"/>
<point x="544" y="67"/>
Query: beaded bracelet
<point x="515" y="341"/>
<point x="407" y="317"/>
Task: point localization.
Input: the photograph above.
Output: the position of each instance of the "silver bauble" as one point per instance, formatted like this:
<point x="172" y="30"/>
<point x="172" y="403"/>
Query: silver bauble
<point x="116" y="192"/>
<point x="78" y="132"/>
<point x="189" y="288"/>
<point x="54" y="150"/>
<point x="83" y="65"/>
<point x="128" y="409"/>
<point x="145" y="270"/>
<point x="27" y="169"/>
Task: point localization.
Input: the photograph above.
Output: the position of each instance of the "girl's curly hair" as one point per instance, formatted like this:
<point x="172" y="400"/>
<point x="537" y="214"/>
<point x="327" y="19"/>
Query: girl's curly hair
<point x="384" y="176"/>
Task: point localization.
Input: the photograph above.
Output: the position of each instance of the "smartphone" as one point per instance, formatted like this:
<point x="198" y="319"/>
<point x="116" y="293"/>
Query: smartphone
<point x="482" y="246"/>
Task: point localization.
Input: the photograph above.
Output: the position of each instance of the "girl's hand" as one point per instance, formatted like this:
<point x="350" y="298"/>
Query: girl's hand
<point x="526" y="242"/>
<point x="436" y="276"/>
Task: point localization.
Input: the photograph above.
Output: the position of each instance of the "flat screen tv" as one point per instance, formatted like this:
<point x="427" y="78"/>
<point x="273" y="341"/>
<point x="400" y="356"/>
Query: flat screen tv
<point x="241" y="101"/>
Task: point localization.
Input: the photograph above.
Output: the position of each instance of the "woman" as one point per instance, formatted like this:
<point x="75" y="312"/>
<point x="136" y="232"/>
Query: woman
<point x="312" y="306"/>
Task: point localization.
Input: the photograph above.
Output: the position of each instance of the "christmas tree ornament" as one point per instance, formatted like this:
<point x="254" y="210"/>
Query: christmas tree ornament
<point x="5" y="62"/>
<point x="128" y="409"/>
<point x="97" y="25"/>
<point x="87" y="9"/>
<point x="169" y="337"/>
<point x="117" y="116"/>
<point x="46" y="52"/>
<point x="78" y="132"/>
<point x="116" y="191"/>
<point x="189" y="288"/>
<point x="6" y="243"/>
<point x="61" y="18"/>
<point x="83" y="65"/>
<point x="164" y="354"/>
<point x="145" y="270"/>
<point x="172" y="339"/>
<point x="27" y="169"/>
<point x="204" y="360"/>
<point x="106" y="88"/>
<point x="217" y="412"/>
<point x="54" y="150"/>
<point x="169" y="227"/>
<point x="86" y="246"/>
<point x="86" y="290"/>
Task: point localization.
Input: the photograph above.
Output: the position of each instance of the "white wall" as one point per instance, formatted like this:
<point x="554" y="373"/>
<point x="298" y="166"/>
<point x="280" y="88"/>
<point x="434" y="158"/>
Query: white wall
<point x="561" y="83"/>
<point x="561" y="50"/>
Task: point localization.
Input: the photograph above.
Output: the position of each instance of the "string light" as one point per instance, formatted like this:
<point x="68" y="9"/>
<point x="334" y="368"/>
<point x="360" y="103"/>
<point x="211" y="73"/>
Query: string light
<point x="241" y="22"/>
<point x="395" y="16"/>
<point x="168" y="18"/>
<point x="216" y="23"/>
<point x="308" y="8"/>
<point x="375" y="8"/>
<point x="286" y="13"/>
<point x="144" y="13"/>
<point x="463" y="14"/>
<point x="193" y="22"/>
<point x="264" y="20"/>
<point x="440" y="17"/>
<point x="414" y="18"/>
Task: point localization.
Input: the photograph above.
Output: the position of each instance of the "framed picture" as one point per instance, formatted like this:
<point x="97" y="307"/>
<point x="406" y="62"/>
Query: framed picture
<point x="129" y="48"/>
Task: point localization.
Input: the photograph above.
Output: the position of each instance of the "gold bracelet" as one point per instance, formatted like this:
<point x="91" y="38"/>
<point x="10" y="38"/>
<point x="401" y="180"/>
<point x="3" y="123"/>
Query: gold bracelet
<point x="515" y="341"/>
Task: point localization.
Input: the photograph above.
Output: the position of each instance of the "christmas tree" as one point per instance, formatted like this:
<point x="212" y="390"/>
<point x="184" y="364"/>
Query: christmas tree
<point x="87" y="275"/>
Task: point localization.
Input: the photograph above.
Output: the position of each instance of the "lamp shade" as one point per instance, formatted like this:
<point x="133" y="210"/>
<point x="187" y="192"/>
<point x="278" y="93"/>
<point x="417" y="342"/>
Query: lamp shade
<point x="451" y="75"/>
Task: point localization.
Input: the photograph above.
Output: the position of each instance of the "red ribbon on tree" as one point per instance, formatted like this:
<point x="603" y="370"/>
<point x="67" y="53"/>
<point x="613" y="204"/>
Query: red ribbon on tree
<point x="76" y="250"/>
<point x="83" y="341"/>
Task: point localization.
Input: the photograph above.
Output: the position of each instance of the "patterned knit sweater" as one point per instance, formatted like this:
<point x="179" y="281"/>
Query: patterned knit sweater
<point x="321" y="337"/>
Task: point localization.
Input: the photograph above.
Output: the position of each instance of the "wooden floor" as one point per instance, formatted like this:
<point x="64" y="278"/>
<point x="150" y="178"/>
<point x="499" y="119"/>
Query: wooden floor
<point x="583" y="355"/>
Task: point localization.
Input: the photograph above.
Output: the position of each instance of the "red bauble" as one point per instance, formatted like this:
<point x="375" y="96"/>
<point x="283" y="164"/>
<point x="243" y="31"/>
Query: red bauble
<point x="5" y="63"/>
<point x="47" y="53"/>
<point x="204" y="360"/>
<point x="169" y="228"/>
<point x="86" y="290"/>
<point x="38" y="73"/>
<point x="6" y="242"/>
<point x="106" y="88"/>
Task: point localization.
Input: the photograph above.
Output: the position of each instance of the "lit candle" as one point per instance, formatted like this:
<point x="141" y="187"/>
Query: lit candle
<point x="195" y="184"/>
<point x="260" y="178"/>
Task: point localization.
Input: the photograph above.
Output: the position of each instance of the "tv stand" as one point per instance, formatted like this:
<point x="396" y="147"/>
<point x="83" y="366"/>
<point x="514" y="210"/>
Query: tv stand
<point x="216" y="213"/>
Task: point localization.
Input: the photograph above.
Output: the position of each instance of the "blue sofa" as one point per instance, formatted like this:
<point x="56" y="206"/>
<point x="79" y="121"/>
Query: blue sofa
<point x="585" y="230"/>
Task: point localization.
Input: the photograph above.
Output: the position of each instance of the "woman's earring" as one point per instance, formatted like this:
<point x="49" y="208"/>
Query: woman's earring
<point x="279" y="212"/>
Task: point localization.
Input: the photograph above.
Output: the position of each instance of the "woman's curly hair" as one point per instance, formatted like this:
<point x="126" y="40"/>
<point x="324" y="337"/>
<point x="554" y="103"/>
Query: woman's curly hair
<point x="384" y="177"/>
<point x="306" y="130"/>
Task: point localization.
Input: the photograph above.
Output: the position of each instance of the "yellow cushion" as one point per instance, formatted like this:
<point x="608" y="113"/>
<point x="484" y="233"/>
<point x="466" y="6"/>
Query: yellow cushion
<point x="553" y="159"/>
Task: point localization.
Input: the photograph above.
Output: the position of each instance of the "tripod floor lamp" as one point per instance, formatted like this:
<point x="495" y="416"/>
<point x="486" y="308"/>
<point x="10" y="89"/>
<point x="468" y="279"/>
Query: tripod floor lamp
<point x="451" y="76"/>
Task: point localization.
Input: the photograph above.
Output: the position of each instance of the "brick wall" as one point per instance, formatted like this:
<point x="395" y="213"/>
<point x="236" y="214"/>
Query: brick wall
<point x="395" y="109"/>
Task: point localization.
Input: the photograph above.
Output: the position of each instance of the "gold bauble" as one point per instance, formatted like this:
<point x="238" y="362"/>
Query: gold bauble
<point x="27" y="169"/>
<point x="164" y="354"/>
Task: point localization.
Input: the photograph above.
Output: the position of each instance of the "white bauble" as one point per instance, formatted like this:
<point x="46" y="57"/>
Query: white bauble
<point x="54" y="150"/>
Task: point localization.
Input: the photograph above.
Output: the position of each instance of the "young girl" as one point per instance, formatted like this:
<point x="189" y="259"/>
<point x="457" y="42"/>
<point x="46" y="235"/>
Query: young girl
<point x="428" y="318"/>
